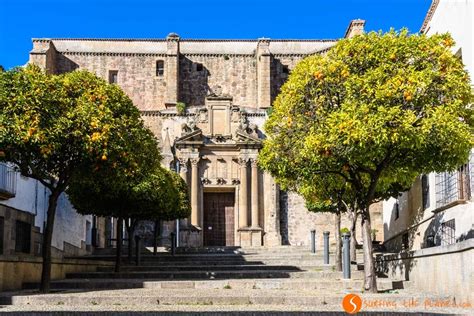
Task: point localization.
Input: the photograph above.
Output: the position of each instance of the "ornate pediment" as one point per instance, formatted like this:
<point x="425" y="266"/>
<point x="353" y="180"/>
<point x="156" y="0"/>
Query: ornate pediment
<point x="243" y="137"/>
<point x="247" y="133"/>
<point x="193" y="138"/>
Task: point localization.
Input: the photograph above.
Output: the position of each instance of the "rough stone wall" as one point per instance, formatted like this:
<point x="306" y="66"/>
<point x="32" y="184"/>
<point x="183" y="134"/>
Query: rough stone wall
<point x="442" y="270"/>
<point x="236" y="75"/>
<point x="296" y="222"/>
<point x="17" y="270"/>
<point x="136" y="75"/>
<point x="10" y="217"/>
<point x="155" y="124"/>
<point x="278" y="74"/>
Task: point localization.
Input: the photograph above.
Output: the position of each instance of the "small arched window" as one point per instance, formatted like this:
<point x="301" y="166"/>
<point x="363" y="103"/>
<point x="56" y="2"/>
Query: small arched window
<point x="160" y="68"/>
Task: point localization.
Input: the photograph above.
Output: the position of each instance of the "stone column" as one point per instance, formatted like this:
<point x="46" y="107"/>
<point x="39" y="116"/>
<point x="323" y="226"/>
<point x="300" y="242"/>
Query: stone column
<point x="195" y="216"/>
<point x="243" y="195"/>
<point x="183" y="172"/>
<point x="255" y="196"/>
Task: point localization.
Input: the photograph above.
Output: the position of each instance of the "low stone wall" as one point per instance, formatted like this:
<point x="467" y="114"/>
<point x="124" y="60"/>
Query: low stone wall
<point x="442" y="270"/>
<point x="16" y="270"/>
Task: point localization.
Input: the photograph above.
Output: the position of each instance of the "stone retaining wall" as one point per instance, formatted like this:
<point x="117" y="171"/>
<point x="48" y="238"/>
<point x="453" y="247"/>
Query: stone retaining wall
<point x="16" y="270"/>
<point x="442" y="270"/>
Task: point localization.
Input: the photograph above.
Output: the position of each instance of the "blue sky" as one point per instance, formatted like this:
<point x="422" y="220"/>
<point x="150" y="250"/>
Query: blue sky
<point x="21" y="20"/>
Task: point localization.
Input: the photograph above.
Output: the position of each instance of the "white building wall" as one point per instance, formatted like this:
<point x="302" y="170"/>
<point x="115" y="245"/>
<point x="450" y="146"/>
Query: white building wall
<point x="32" y="197"/>
<point x="457" y="18"/>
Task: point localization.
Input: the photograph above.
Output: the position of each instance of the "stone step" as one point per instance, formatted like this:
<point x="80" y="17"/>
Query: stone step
<point x="218" y="260"/>
<point x="176" y="268"/>
<point x="231" y="263"/>
<point x="213" y="264"/>
<point x="139" y="297"/>
<point x="213" y="274"/>
<point x="244" y="284"/>
<point x="225" y="267"/>
<point x="252" y="256"/>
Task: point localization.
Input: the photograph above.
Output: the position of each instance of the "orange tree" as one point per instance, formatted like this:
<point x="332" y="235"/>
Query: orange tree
<point x="150" y="194"/>
<point x="375" y="111"/>
<point x="53" y="126"/>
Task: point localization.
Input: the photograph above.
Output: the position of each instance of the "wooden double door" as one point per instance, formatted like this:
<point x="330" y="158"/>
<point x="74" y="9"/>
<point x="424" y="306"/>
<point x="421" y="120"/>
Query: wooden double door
<point x="218" y="224"/>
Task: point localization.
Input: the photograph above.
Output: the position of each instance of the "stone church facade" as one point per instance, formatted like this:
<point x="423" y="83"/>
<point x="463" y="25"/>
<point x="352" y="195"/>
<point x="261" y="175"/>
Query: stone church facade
<point x="206" y="101"/>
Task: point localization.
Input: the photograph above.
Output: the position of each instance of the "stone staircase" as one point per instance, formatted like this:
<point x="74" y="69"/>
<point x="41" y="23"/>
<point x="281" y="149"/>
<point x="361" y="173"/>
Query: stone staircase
<point x="213" y="279"/>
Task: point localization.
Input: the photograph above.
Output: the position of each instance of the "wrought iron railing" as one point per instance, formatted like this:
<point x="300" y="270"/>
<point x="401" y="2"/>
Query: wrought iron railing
<point x="454" y="186"/>
<point x="7" y="181"/>
<point x="448" y="232"/>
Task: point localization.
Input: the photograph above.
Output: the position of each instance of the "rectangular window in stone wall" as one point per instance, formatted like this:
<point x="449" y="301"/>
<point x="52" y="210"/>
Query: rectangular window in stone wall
<point x="23" y="237"/>
<point x="425" y="189"/>
<point x="160" y="68"/>
<point x="2" y="230"/>
<point x="113" y="76"/>
<point x="453" y="186"/>
<point x="448" y="232"/>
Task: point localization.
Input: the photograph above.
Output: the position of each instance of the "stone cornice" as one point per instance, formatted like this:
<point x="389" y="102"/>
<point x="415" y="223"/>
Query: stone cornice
<point x="217" y="55"/>
<point x="181" y="40"/>
<point x="112" y="54"/>
<point x="103" y="39"/>
<point x="256" y="40"/>
<point x="290" y="55"/>
<point x="186" y="54"/>
<point x="429" y="15"/>
<point x="164" y="113"/>
<point x="256" y="114"/>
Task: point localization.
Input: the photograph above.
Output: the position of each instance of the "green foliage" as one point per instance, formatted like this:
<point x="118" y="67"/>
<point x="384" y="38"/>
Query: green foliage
<point x="374" y="233"/>
<point x="2" y="69"/>
<point x="181" y="108"/>
<point x="361" y="122"/>
<point x="153" y="195"/>
<point x="51" y="126"/>
<point x="269" y="111"/>
<point x="376" y="111"/>
<point x="345" y="230"/>
<point x="55" y="128"/>
<point x="184" y="205"/>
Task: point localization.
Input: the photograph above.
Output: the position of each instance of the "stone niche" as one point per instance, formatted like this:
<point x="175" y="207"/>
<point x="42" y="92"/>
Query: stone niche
<point x="219" y="119"/>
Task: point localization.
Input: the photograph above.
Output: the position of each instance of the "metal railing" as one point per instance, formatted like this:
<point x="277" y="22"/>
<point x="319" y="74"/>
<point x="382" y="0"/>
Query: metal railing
<point x="7" y="181"/>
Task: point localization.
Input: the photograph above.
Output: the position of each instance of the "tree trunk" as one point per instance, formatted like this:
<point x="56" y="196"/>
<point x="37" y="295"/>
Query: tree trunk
<point x="118" y="256"/>
<point x="370" y="282"/>
<point x="353" y="238"/>
<point x="47" y="239"/>
<point x="337" y="236"/>
<point x="155" y="237"/>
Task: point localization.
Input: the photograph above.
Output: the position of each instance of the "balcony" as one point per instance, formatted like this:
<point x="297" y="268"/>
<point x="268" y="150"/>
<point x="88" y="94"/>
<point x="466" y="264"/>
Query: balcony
<point x="7" y="182"/>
